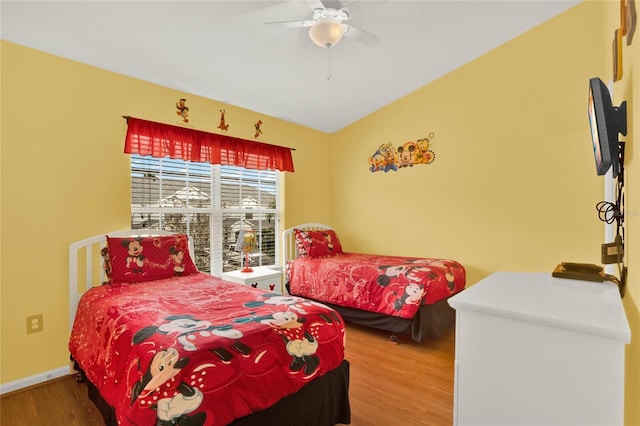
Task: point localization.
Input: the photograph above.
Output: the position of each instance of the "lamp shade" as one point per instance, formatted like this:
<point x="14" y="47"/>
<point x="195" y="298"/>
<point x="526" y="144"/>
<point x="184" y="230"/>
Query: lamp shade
<point x="326" y="33"/>
<point x="246" y="241"/>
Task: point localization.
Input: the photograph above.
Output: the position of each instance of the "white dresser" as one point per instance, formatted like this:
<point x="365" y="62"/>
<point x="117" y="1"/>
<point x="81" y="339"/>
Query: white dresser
<point x="536" y="350"/>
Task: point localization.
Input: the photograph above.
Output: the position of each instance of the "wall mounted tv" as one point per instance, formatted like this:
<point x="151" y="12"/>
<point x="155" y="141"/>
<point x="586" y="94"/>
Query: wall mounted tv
<point x="606" y="122"/>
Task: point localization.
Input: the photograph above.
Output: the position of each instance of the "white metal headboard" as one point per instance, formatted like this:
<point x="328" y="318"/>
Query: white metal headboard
<point x="289" y="248"/>
<point x="90" y="273"/>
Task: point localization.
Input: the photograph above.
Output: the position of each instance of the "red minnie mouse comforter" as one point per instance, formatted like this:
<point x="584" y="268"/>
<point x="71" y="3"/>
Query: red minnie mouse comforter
<point x="389" y="285"/>
<point x="199" y="349"/>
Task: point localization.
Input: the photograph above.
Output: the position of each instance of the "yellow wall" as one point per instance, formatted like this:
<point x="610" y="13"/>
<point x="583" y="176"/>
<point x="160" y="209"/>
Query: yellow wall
<point x="628" y="88"/>
<point x="513" y="186"/>
<point x="64" y="177"/>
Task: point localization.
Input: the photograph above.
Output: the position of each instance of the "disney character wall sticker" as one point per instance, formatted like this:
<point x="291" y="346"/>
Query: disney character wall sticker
<point x="223" y="124"/>
<point x="389" y="158"/>
<point x="258" y="130"/>
<point x="182" y="109"/>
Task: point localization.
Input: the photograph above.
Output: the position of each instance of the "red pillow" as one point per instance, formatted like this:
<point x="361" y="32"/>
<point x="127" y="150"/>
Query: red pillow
<point x="317" y="243"/>
<point x="138" y="259"/>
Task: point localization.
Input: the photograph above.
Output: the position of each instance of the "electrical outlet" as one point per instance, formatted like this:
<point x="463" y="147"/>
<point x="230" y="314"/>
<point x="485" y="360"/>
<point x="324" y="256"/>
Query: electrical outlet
<point x="35" y="323"/>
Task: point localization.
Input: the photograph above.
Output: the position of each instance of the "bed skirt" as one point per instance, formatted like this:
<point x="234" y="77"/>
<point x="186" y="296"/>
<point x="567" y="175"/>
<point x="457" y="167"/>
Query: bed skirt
<point x="429" y="322"/>
<point x="322" y="402"/>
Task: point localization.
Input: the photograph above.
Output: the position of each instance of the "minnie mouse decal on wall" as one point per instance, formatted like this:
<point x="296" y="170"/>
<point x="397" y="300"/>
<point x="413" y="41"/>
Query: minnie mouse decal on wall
<point x="387" y="158"/>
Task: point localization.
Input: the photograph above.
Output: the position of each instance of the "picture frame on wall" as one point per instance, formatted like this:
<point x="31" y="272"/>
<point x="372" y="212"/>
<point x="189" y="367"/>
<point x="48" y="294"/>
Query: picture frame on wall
<point x="629" y="15"/>
<point x="617" y="55"/>
<point x="623" y="17"/>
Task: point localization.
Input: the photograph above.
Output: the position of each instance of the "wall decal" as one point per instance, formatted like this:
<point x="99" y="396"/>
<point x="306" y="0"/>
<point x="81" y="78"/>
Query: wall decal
<point x="258" y="130"/>
<point x="223" y="125"/>
<point x="182" y="110"/>
<point x="389" y="158"/>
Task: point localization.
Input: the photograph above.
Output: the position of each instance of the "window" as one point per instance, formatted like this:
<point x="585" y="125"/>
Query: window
<point x="210" y="203"/>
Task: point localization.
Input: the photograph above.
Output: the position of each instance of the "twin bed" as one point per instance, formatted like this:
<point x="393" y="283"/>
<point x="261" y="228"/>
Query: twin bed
<point x="402" y="295"/>
<point x="160" y="343"/>
<point x="163" y="344"/>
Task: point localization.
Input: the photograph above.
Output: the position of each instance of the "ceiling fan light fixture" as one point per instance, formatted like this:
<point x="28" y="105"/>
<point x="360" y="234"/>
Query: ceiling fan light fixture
<point x="326" y="33"/>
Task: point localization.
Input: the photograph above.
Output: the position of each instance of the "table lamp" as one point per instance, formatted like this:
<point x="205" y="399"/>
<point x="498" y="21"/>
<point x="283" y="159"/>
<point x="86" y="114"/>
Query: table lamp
<point x="246" y="244"/>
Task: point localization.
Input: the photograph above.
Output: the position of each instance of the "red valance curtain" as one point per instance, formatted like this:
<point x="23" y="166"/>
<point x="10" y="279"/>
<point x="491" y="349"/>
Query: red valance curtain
<point x="164" y="140"/>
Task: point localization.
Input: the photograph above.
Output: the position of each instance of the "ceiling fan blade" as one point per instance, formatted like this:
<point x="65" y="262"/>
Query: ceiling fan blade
<point x="289" y="24"/>
<point x="360" y="35"/>
<point x="315" y="4"/>
<point x="347" y="4"/>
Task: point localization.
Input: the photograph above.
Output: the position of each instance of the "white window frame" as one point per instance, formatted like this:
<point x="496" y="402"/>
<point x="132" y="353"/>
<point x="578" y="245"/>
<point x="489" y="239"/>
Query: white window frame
<point x="216" y="211"/>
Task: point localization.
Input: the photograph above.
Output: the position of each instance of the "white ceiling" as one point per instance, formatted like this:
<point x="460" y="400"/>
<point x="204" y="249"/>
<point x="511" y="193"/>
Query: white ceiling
<point x="222" y="51"/>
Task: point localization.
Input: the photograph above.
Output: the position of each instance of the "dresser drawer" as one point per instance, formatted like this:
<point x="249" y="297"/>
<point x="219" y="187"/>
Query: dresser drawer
<point x="264" y="278"/>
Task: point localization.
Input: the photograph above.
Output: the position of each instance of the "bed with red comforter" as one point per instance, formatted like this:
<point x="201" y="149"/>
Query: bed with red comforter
<point x="193" y="349"/>
<point x="394" y="293"/>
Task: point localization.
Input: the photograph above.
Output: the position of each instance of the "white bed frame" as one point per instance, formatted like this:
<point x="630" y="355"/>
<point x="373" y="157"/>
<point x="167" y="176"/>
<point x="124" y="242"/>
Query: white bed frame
<point x="90" y="272"/>
<point x="289" y="247"/>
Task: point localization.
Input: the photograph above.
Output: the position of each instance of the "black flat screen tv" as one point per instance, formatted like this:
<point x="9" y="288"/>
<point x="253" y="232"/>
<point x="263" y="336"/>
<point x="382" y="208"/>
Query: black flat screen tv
<point x="606" y="122"/>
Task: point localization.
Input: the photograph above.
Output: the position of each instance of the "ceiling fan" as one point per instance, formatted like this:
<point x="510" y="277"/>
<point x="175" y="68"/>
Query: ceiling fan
<point x="326" y="26"/>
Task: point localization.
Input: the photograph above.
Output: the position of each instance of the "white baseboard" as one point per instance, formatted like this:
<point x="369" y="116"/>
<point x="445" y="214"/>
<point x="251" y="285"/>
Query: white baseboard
<point x="34" y="380"/>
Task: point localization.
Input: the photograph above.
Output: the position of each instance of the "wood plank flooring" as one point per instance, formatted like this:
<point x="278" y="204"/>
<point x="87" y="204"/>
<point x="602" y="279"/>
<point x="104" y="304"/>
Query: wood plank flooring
<point x="405" y="384"/>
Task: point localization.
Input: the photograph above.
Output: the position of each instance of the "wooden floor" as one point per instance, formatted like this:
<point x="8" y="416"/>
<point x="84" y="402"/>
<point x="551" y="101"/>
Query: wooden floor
<point x="405" y="384"/>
